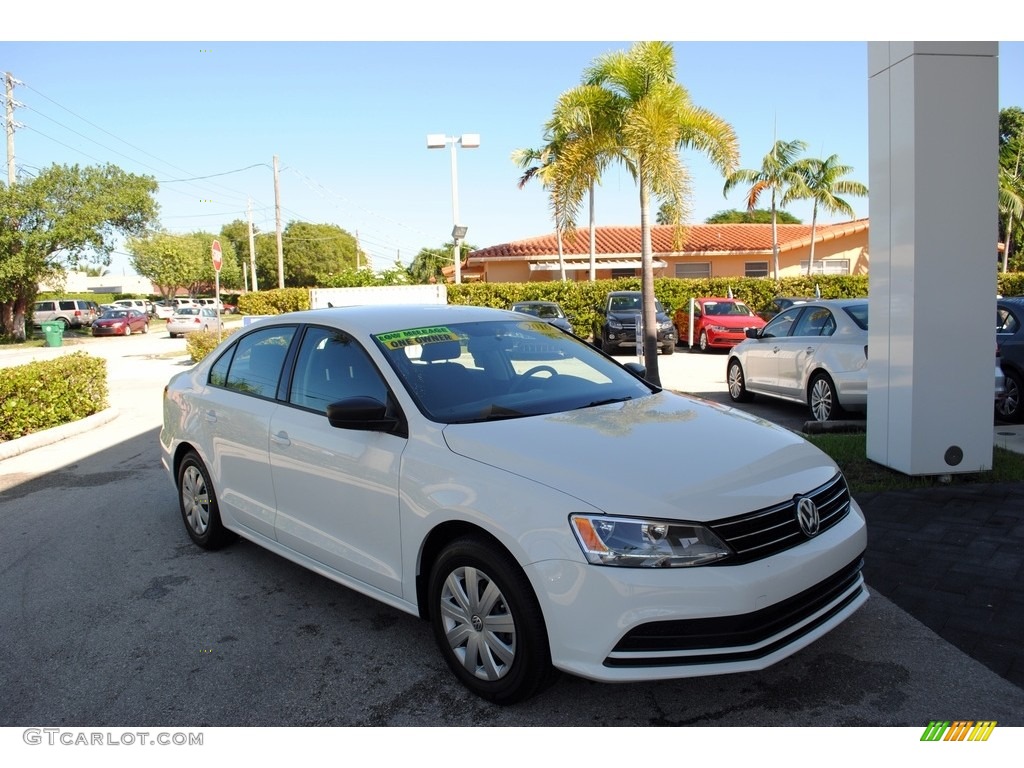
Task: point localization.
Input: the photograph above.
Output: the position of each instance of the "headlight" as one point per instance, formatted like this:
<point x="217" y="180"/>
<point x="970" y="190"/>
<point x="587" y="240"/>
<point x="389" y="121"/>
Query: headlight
<point x="717" y="328"/>
<point x="664" y="325"/>
<point x="613" y="323"/>
<point x="646" y="543"/>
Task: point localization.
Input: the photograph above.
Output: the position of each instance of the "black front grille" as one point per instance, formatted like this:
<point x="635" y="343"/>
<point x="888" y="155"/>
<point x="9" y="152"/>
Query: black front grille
<point x="764" y="532"/>
<point x="683" y="636"/>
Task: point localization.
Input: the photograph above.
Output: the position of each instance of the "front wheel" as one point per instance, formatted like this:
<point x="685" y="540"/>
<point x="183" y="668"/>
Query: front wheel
<point x="737" y="383"/>
<point x="821" y="397"/>
<point x="128" y="330"/>
<point x="487" y="622"/>
<point x="703" y="342"/>
<point x="1009" y="407"/>
<point x="198" y="504"/>
<point x="669" y="349"/>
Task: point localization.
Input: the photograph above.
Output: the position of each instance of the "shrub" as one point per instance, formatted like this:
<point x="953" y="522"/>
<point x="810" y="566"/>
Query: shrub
<point x="275" y="302"/>
<point x="201" y="343"/>
<point x="46" y="394"/>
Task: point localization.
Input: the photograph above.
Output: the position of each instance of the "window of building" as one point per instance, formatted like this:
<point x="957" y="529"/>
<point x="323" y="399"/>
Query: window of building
<point x="623" y="273"/>
<point x="755" y="269"/>
<point x="692" y="270"/>
<point x="828" y="267"/>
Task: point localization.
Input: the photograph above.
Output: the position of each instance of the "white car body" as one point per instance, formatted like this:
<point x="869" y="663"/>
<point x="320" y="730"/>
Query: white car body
<point x="190" y="319"/>
<point x="377" y="507"/>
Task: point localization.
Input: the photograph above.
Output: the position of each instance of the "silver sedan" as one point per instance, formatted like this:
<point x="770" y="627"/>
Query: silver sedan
<point x="814" y="353"/>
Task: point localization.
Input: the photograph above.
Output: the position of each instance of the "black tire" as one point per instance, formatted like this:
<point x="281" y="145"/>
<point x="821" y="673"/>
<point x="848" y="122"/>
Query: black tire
<point x="503" y="667"/>
<point x="145" y="328"/>
<point x="669" y="349"/>
<point x="1009" y="408"/>
<point x="822" y="399"/>
<point x="737" y="383"/>
<point x="172" y="335"/>
<point x="65" y="322"/>
<point x="198" y="504"/>
<point x="128" y="330"/>
<point x="703" y="341"/>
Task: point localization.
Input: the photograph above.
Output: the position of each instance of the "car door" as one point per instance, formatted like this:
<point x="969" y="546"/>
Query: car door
<point x="799" y="351"/>
<point x="234" y="426"/>
<point x="337" y="489"/>
<point x="760" y="364"/>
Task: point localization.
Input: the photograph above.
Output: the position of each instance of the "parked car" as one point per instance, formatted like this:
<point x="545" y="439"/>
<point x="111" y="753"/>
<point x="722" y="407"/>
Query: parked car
<point x="163" y="310"/>
<point x="423" y="456"/>
<point x="814" y="353"/>
<point x="1010" y="346"/>
<point x="189" y="319"/>
<point x="621" y="311"/>
<point x="137" y="304"/>
<point x="120" y="322"/>
<point x="548" y="311"/>
<point x="211" y="303"/>
<point x="73" y="313"/>
<point x="780" y="303"/>
<point x="718" y="323"/>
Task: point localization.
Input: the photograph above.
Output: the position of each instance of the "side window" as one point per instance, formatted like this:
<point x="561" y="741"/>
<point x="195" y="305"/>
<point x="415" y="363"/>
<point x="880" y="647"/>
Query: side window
<point x="815" y="322"/>
<point x="332" y="367"/>
<point x="781" y="324"/>
<point x="68" y="305"/>
<point x="256" y="365"/>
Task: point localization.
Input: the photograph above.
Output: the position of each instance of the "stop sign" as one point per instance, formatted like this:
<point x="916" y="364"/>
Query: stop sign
<point x="217" y="256"/>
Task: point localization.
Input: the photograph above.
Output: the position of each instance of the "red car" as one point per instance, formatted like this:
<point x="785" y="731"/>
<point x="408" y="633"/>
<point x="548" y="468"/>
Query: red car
<point x="717" y="322"/>
<point x="120" y="322"/>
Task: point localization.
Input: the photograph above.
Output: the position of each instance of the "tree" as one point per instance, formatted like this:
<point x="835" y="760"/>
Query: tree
<point x="540" y="164"/>
<point x="777" y="174"/>
<point x="756" y="216"/>
<point x="237" y="234"/>
<point x="175" y="262"/>
<point x="822" y="183"/>
<point x="428" y="264"/>
<point x="67" y="216"/>
<point x="315" y="253"/>
<point x="1011" y="178"/>
<point x="649" y="119"/>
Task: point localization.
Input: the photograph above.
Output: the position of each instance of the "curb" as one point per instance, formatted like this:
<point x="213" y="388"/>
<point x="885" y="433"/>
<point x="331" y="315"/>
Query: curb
<point x="21" y="445"/>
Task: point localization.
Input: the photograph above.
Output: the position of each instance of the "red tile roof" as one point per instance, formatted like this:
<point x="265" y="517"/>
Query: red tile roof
<point x="698" y="238"/>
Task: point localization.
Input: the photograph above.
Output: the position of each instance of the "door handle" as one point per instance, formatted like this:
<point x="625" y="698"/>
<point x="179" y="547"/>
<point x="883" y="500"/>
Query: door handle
<point x="281" y="438"/>
<point x="210" y="416"/>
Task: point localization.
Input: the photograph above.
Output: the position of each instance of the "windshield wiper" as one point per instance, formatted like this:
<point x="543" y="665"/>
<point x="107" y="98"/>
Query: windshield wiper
<point x="606" y="402"/>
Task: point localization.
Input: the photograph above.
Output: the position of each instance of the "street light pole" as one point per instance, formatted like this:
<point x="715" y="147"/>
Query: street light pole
<point x="467" y="141"/>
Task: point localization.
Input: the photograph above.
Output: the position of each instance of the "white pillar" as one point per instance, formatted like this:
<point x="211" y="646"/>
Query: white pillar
<point x="932" y="116"/>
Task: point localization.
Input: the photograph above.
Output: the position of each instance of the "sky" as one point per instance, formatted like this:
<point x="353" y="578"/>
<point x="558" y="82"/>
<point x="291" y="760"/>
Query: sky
<point x="348" y="118"/>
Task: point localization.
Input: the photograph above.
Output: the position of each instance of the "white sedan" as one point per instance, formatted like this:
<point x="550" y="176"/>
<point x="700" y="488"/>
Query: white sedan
<point x="530" y="497"/>
<point x="189" y="319"/>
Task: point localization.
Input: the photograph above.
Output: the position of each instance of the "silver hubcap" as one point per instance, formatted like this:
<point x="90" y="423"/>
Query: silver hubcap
<point x="195" y="499"/>
<point x="478" y="624"/>
<point x="735" y="381"/>
<point x="821" y="400"/>
<point x="703" y="340"/>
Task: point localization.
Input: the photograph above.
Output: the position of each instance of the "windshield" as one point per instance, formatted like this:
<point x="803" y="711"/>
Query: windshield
<point x="540" y="310"/>
<point x="726" y="308"/>
<point x="469" y="372"/>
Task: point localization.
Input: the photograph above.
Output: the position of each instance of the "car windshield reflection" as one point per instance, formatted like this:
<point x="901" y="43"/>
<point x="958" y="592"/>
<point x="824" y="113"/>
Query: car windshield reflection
<point x="471" y="372"/>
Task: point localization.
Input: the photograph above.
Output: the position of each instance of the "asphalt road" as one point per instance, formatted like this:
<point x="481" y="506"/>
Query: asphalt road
<point x="111" y="617"/>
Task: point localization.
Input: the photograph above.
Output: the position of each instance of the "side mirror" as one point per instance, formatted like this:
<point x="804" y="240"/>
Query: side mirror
<point x="752" y="333"/>
<point x="364" y="413"/>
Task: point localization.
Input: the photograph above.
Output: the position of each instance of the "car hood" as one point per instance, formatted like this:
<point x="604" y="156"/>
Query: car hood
<point x="667" y="456"/>
<point x="734" y="321"/>
<point x="631" y="316"/>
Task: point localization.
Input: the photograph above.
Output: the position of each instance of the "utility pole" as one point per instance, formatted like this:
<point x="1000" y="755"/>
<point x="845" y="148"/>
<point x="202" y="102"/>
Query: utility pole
<point x="277" y="216"/>
<point x="252" y="247"/>
<point x="9" y="79"/>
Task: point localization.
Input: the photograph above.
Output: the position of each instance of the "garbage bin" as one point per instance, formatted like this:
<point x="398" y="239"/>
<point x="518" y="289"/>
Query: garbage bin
<point x="54" y="333"/>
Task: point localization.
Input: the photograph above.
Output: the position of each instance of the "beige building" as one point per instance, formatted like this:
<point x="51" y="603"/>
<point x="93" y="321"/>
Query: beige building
<point x="707" y="250"/>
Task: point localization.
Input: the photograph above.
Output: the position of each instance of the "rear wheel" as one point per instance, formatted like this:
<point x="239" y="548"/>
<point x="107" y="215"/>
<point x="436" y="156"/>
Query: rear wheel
<point x="487" y="622"/>
<point x="198" y="504"/>
<point x="821" y="397"/>
<point x="145" y="328"/>
<point x="1010" y="406"/>
<point x="737" y="383"/>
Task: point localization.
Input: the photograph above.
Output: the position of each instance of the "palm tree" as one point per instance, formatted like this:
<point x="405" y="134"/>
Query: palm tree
<point x="778" y="174"/>
<point x="822" y="182"/>
<point x="540" y="164"/>
<point x="649" y="119"/>
<point x="1011" y="198"/>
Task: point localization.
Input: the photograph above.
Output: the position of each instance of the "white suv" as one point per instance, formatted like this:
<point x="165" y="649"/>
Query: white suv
<point x="139" y="304"/>
<point x="74" y="313"/>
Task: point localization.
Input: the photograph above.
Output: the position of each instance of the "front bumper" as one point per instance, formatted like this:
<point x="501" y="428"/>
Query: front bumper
<point x="632" y="624"/>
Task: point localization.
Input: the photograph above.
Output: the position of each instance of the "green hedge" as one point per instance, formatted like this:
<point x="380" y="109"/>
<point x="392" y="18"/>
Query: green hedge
<point x="581" y="300"/>
<point x="201" y="343"/>
<point x="274" y="302"/>
<point x="49" y="393"/>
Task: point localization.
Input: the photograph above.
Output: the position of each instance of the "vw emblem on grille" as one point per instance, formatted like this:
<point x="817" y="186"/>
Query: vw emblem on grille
<point x="807" y="515"/>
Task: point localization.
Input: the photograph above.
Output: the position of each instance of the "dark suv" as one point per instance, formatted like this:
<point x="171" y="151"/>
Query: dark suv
<point x="621" y="311"/>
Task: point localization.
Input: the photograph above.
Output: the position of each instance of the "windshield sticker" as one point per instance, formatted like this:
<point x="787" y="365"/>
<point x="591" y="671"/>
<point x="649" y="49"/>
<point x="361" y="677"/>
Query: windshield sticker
<point x="537" y="326"/>
<point x="413" y="336"/>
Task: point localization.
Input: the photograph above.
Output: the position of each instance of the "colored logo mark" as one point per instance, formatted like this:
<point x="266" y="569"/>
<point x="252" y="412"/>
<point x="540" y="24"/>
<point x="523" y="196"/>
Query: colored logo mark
<point x="958" y="730"/>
